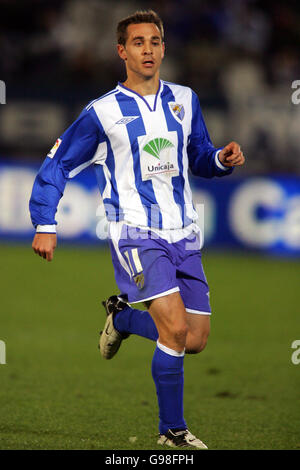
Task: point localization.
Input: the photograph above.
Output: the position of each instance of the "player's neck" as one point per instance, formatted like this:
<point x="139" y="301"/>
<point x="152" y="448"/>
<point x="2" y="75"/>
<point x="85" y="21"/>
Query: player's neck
<point x="141" y="86"/>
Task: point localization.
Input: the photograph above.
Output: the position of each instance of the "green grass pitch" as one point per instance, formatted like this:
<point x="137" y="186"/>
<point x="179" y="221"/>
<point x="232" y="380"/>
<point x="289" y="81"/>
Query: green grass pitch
<point x="56" y="392"/>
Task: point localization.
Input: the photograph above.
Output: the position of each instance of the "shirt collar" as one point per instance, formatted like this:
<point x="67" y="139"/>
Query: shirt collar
<point x="133" y="93"/>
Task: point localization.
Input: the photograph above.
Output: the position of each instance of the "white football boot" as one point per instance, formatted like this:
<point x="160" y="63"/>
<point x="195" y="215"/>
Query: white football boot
<point x="110" y="339"/>
<point x="180" y="438"/>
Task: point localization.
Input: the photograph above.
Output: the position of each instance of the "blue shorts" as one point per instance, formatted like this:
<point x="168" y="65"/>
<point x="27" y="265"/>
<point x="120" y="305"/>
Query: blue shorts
<point x="147" y="266"/>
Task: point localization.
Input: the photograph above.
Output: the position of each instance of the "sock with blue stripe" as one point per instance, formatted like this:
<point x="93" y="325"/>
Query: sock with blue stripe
<point x="167" y="373"/>
<point x="137" y="322"/>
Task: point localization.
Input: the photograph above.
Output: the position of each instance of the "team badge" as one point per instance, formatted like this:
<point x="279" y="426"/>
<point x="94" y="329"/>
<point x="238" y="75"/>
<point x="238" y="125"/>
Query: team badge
<point x="139" y="280"/>
<point x="54" y="148"/>
<point x="177" y="110"/>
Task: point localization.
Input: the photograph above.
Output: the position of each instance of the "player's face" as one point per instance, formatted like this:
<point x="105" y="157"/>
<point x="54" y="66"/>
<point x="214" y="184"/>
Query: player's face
<point x="143" y="51"/>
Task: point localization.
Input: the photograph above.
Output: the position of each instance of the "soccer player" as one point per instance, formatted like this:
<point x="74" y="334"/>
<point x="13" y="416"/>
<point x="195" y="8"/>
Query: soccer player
<point x="142" y="138"/>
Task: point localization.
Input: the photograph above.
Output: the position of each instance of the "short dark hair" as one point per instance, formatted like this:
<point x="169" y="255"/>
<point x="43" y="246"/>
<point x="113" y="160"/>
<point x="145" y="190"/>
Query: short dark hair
<point x="141" y="16"/>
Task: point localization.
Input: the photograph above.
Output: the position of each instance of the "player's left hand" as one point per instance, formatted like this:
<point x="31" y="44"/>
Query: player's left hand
<point x="232" y="155"/>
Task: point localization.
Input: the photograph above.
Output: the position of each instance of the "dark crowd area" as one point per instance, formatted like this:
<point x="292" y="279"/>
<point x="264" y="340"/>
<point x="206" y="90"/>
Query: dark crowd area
<point x="241" y="57"/>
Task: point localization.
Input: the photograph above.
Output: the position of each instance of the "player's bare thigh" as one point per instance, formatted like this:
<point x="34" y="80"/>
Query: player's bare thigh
<point x="178" y="329"/>
<point x="169" y="315"/>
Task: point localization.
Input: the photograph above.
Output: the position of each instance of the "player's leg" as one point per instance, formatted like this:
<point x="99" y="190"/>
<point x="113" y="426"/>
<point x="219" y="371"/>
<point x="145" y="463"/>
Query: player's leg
<point x="136" y="322"/>
<point x="124" y="320"/>
<point x="143" y="270"/>
<point x="128" y="320"/>
<point x="170" y="317"/>
<point x="192" y="321"/>
<point x="139" y="322"/>
<point x="198" y="332"/>
<point x="121" y="322"/>
<point x="194" y="291"/>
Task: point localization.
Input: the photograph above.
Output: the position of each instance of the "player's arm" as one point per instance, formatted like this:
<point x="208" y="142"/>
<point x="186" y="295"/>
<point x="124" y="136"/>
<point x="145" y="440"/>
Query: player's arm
<point x="204" y="159"/>
<point x="76" y="149"/>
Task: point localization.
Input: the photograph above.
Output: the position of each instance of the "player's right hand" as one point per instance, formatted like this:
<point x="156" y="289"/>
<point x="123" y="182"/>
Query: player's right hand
<point x="44" y="245"/>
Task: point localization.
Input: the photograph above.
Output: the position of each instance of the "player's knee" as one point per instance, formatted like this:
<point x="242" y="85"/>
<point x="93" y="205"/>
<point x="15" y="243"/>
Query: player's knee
<point x="179" y="334"/>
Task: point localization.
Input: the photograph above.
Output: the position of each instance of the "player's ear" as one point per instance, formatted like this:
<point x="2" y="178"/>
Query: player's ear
<point x="122" y="51"/>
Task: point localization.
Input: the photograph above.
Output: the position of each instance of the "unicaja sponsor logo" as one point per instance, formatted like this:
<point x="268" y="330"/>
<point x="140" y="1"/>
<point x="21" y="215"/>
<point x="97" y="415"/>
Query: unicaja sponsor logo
<point x="156" y="146"/>
<point x="159" y="148"/>
<point x="2" y="352"/>
<point x="160" y="167"/>
<point x="2" y="92"/>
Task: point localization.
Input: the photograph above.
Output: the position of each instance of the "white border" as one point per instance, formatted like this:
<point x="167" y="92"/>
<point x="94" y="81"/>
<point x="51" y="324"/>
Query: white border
<point x="219" y="164"/>
<point x="170" y="351"/>
<point x="167" y="292"/>
<point x="197" y="312"/>
<point x="46" y="228"/>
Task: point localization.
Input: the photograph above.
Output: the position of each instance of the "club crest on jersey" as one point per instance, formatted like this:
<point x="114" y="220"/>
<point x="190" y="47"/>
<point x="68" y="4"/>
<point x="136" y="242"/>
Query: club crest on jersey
<point x="139" y="279"/>
<point x="177" y="110"/>
<point x="126" y="120"/>
<point x="54" y="148"/>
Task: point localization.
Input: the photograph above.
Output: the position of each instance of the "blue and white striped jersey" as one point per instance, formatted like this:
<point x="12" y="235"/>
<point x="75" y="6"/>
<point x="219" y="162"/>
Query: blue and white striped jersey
<point x="141" y="150"/>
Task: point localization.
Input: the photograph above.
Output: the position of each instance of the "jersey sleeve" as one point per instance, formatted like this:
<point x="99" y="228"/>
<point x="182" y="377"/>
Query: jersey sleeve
<point x="76" y="149"/>
<point x="202" y="155"/>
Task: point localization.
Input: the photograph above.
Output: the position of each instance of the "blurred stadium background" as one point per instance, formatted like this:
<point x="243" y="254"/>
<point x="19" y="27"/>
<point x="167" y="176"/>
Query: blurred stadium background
<point x="242" y="58"/>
